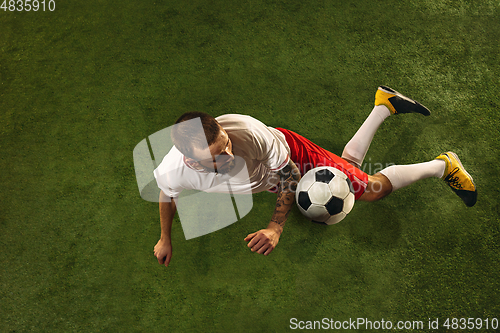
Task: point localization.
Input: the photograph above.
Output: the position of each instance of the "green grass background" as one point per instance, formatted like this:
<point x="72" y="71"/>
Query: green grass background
<point x="81" y="86"/>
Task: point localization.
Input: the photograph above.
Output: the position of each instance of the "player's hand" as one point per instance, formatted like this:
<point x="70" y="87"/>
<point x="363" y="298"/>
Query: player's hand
<point x="263" y="241"/>
<point x="163" y="251"/>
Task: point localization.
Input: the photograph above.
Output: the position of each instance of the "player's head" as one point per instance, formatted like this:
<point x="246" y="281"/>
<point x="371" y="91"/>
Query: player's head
<point x="191" y="142"/>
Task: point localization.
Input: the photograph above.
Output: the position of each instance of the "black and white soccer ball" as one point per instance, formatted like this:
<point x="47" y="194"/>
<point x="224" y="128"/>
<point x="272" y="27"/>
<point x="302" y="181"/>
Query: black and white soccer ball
<point x="325" y="195"/>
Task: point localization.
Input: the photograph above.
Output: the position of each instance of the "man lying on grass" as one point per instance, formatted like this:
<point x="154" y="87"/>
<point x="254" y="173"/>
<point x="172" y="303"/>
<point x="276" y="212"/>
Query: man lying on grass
<point x="276" y="158"/>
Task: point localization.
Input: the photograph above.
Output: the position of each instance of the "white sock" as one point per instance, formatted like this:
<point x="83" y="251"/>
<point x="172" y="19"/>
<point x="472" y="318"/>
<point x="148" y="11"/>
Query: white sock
<point x="404" y="175"/>
<point x="355" y="150"/>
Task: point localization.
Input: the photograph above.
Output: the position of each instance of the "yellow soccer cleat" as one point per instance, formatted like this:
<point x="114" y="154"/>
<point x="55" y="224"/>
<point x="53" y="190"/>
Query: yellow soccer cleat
<point x="459" y="179"/>
<point x="397" y="103"/>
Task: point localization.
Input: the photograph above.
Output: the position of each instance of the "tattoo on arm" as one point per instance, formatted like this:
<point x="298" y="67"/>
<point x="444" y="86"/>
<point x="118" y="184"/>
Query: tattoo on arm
<point x="289" y="179"/>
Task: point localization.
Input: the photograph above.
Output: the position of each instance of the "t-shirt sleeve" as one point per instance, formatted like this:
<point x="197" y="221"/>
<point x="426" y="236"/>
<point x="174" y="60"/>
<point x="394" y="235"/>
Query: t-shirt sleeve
<point x="168" y="175"/>
<point x="167" y="185"/>
<point x="270" y="150"/>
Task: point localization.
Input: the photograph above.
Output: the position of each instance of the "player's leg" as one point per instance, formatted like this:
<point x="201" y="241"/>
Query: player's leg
<point x="395" y="177"/>
<point x="387" y="102"/>
<point x="379" y="186"/>
<point x="447" y="166"/>
<point x="355" y="150"/>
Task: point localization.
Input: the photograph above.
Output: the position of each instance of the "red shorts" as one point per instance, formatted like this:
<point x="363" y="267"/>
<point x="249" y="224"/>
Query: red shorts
<point x="307" y="155"/>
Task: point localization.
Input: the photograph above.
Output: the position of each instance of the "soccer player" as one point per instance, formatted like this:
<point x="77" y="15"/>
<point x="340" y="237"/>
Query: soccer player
<point x="276" y="158"/>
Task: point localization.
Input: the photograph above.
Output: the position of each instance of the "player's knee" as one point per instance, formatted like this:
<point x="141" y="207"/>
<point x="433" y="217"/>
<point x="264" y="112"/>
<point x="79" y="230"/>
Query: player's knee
<point x="378" y="187"/>
<point x="374" y="196"/>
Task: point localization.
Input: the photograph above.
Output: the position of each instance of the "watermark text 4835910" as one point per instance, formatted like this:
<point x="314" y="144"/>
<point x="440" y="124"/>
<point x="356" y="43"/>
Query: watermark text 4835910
<point x="28" y="5"/>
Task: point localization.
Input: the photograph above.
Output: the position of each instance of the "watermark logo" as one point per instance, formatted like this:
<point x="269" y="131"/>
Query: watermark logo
<point x="215" y="200"/>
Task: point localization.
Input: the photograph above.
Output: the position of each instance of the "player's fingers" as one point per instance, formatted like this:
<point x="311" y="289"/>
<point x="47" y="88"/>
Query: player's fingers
<point x="257" y="242"/>
<point x="250" y="236"/>
<point x="253" y="241"/>
<point x="264" y="249"/>
<point x="253" y="245"/>
<point x="262" y="240"/>
<point x="258" y="246"/>
<point x="167" y="259"/>
<point x="269" y="250"/>
<point x="161" y="260"/>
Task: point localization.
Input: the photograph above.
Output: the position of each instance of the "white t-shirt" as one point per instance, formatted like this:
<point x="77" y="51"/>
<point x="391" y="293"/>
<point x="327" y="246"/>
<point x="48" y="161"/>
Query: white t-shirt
<point x="262" y="149"/>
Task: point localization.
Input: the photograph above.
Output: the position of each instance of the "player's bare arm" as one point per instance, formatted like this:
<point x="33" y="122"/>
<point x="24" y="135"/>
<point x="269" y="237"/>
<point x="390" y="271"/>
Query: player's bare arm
<point x="265" y="240"/>
<point x="289" y="178"/>
<point x="163" y="249"/>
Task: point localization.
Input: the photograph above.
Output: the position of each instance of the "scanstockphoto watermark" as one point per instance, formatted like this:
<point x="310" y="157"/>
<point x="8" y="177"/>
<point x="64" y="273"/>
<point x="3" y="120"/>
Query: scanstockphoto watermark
<point x="354" y="324"/>
<point x="431" y="324"/>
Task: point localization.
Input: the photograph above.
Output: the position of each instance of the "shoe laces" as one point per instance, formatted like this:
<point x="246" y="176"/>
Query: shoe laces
<point x="452" y="180"/>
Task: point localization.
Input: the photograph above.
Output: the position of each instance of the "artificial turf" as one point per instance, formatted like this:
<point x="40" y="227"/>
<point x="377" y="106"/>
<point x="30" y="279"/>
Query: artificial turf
<point x="82" y="85"/>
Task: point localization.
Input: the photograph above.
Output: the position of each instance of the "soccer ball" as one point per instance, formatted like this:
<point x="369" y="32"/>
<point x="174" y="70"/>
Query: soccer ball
<point x="325" y="195"/>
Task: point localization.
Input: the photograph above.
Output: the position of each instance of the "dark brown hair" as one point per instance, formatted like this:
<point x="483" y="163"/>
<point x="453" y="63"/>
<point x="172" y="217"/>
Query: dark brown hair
<point x="186" y="134"/>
